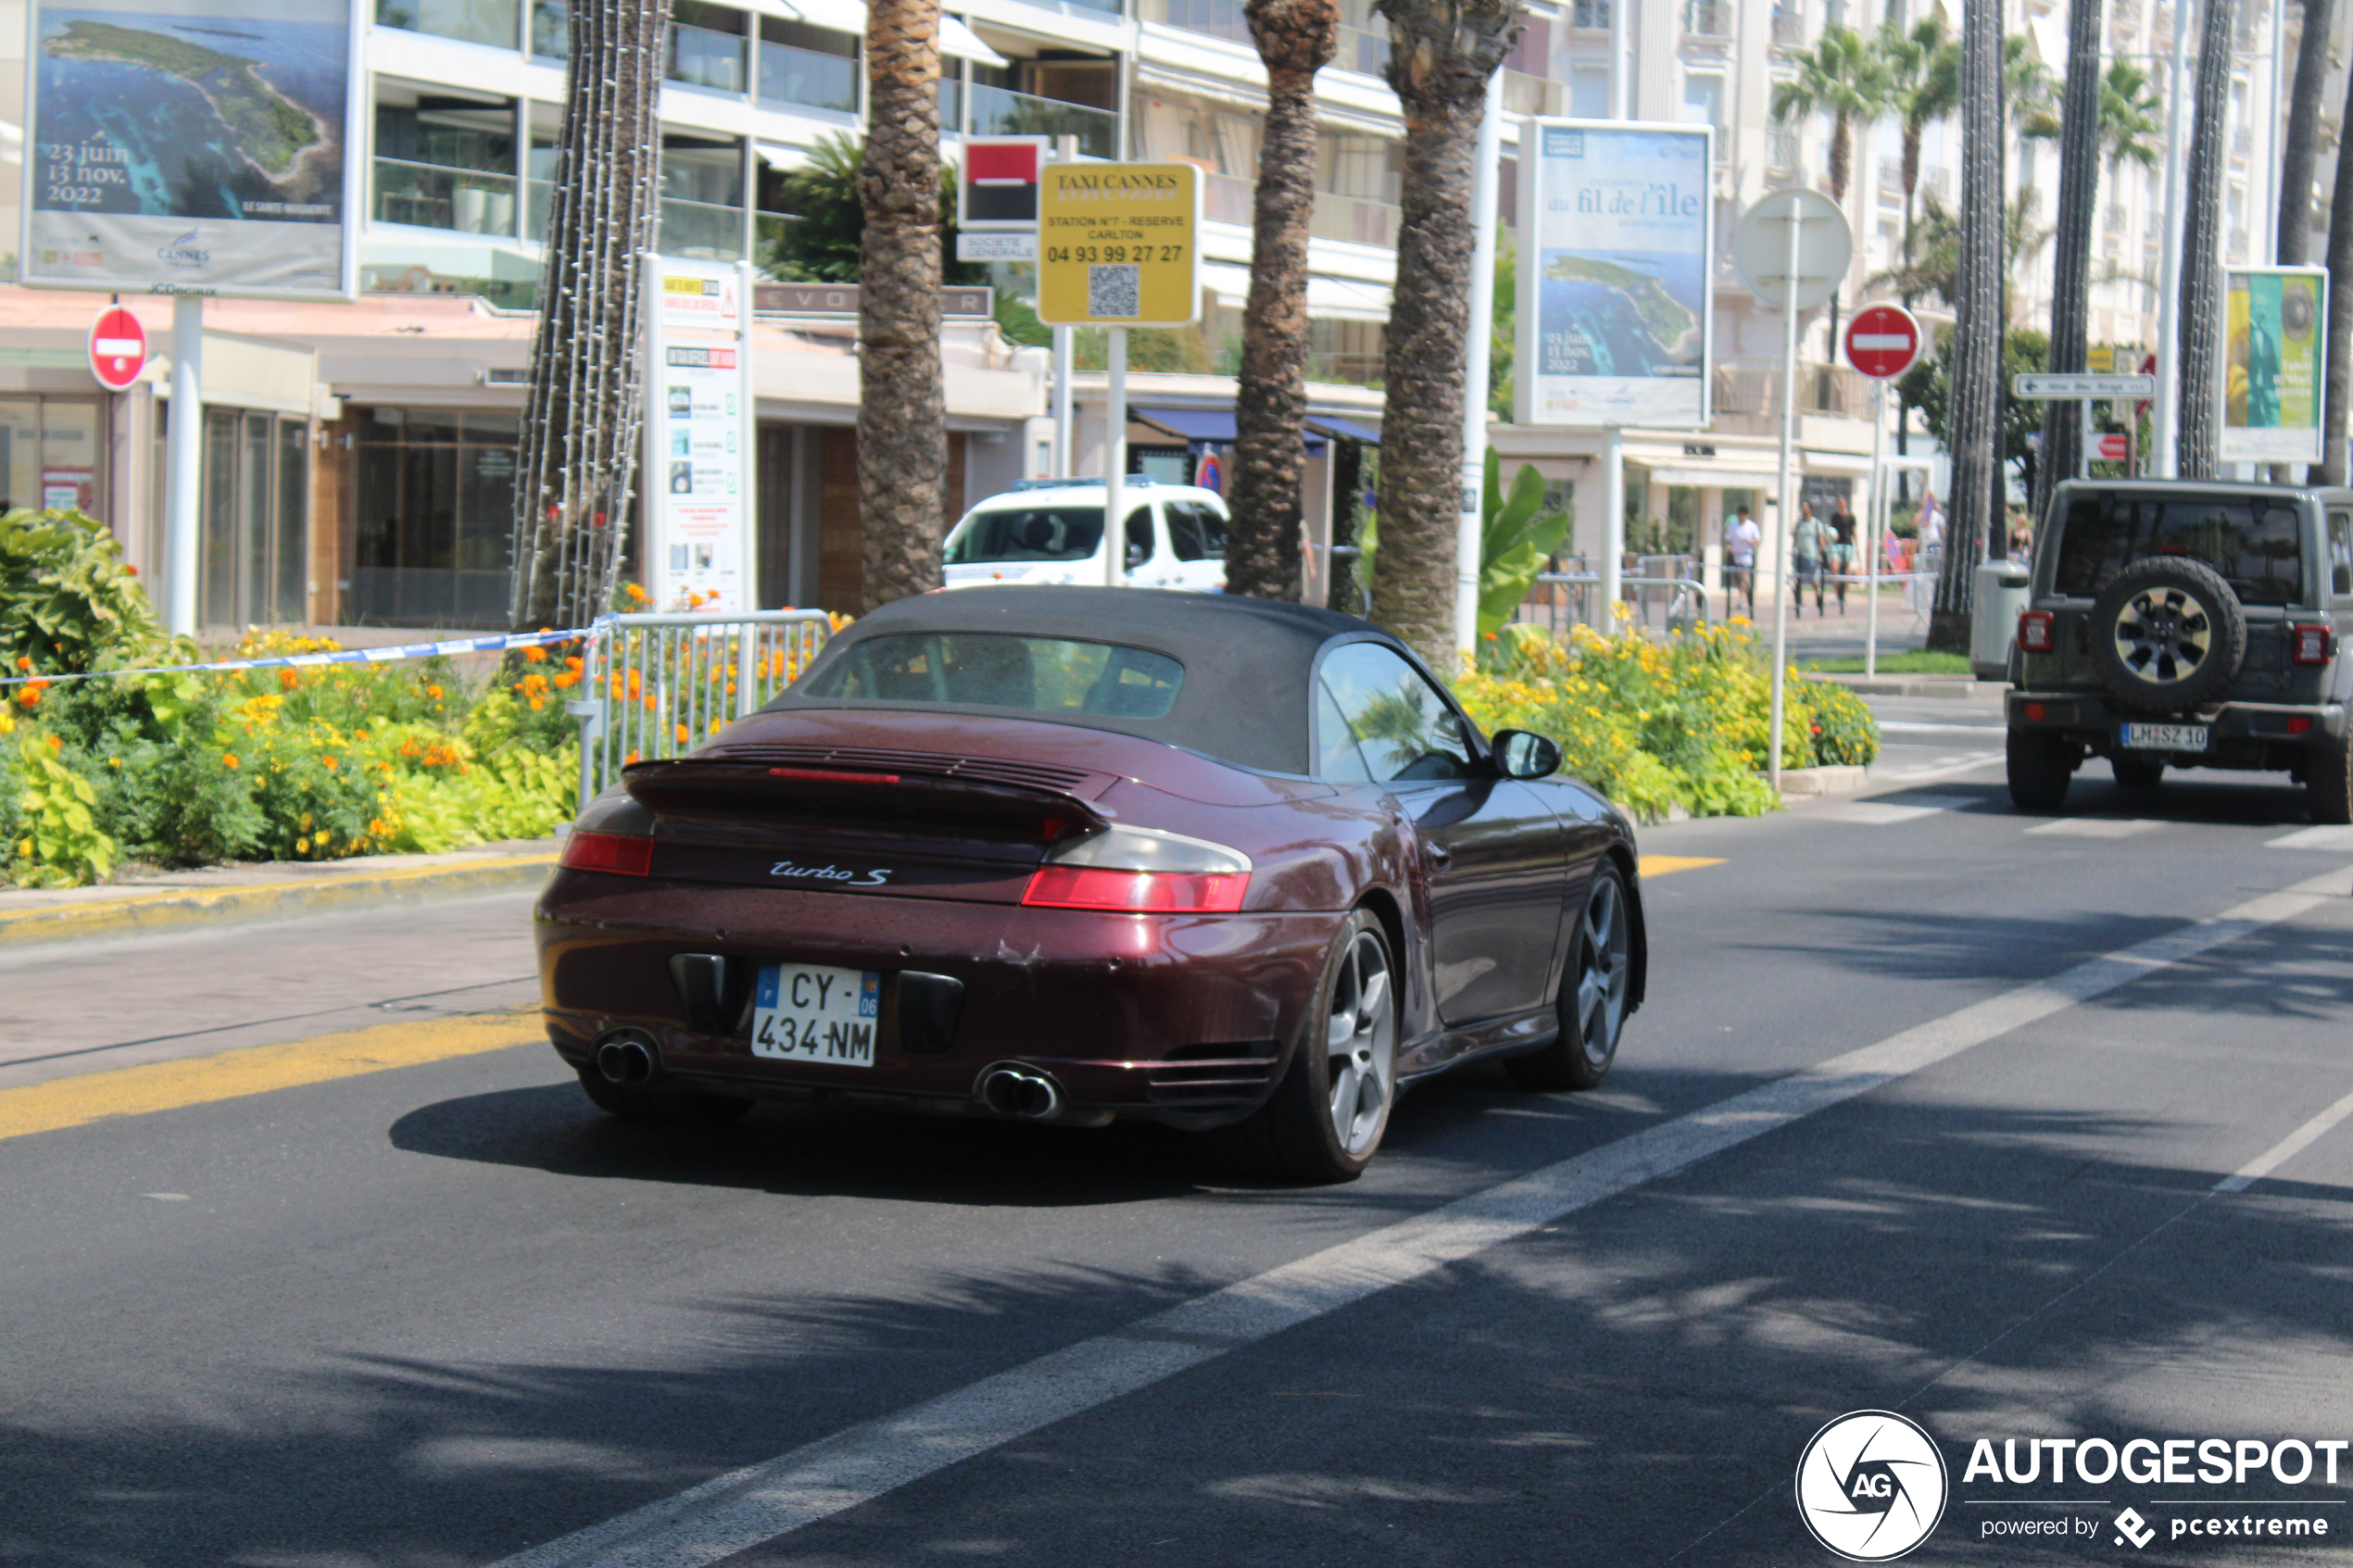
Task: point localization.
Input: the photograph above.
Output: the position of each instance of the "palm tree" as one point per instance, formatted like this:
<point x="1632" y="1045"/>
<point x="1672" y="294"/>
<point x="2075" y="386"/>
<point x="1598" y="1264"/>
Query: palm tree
<point x="1977" y="328"/>
<point x="580" y="437"/>
<point x="1923" y="71"/>
<point x="1296" y="39"/>
<point x="2337" y="401"/>
<point x="2300" y="151"/>
<point x="1441" y="53"/>
<point x="2072" y="272"/>
<point x="1844" y="77"/>
<point x="2131" y="117"/>
<point x="902" y="407"/>
<point x="2201" y="306"/>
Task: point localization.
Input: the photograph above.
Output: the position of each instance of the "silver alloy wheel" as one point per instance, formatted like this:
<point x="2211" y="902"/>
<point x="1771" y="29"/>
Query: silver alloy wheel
<point x="1360" y="1045"/>
<point x="2163" y="635"/>
<point x="1602" y="970"/>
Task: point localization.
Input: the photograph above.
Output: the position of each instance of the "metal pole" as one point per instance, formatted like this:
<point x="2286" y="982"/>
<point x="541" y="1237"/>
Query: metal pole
<point x="2164" y="415"/>
<point x="184" y="459"/>
<point x="1874" y="527"/>
<point x="1065" y="456"/>
<point x="1621" y="51"/>
<point x="1470" y="524"/>
<point x="2084" y="462"/>
<point x="748" y="459"/>
<point x="1613" y="562"/>
<point x="1785" y="502"/>
<point x="1115" y="462"/>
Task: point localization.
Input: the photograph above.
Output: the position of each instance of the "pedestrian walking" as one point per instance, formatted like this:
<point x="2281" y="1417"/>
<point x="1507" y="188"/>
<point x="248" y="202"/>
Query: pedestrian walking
<point x="1842" y="557"/>
<point x="1740" y="545"/>
<point x="1809" y="543"/>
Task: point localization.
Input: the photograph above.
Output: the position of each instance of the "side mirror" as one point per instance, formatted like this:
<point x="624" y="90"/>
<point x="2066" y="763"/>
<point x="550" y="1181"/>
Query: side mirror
<point x="1521" y="754"/>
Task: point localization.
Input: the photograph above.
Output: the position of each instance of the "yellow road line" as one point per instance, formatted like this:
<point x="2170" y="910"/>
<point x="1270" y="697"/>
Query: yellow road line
<point x="167" y="1085"/>
<point x="1668" y="865"/>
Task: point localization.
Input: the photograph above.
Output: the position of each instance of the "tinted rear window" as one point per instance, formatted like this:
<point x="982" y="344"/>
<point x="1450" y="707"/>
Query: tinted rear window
<point x="2256" y="546"/>
<point x="1000" y="670"/>
<point x="1029" y="533"/>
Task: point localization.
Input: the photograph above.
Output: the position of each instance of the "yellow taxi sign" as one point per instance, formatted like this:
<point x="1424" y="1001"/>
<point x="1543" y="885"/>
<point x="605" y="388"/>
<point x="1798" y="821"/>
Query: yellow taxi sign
<point x="1118" y="244"/>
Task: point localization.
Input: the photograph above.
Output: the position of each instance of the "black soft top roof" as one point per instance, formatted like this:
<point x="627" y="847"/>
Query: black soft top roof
<point x="1247" y="662"/>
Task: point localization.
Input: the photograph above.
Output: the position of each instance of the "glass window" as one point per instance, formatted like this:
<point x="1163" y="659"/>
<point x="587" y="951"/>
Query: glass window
<point x="444" y="161"/>
<point x="436" y="502"/>
<point x="2258" y="546"/>
<point x="998" y="669"/>
<point x="1139" y="537"/>
<point x="2341" y="552"/>
<point x="706" y="45"/>
<point x="495" y="22"/>
<point x="551" y="28"/>
<point x="1196" y="532"/>
<point x="1029" y="533"/>
<point x="1336" y="757"/>
<point x="813" y="66"/>
<point x="703" y="197"/>
<point x="1397" y="719"/>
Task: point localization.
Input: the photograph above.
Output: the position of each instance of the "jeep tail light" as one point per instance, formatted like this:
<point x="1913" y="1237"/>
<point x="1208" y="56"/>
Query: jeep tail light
<point x="2299" y="724"/>
<point x="620" y="853"/>
<point x="2309" y="643"/>
<point x="2036" y="712"/>
<point x="1140" y="870"/>
<point x="2035" y="632"/>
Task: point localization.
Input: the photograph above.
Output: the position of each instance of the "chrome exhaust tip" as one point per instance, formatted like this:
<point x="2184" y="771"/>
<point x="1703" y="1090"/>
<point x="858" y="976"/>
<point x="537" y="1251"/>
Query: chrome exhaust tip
<point x="1016" y="1092"/>
<point x="627" y="1060"/>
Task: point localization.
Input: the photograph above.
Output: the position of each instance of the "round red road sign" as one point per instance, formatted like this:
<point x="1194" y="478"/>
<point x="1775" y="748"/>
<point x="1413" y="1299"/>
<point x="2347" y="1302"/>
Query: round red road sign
<point x="118" y="349"/>
<point x="1883" y="341"/>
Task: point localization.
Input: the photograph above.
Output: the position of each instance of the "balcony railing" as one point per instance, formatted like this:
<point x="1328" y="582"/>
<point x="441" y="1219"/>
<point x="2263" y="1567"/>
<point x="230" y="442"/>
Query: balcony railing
<point x="999" y="112"/>
<point x="703" y="231"/>
<point x="1709" y="19"/>
<point x="495" y="22"/>
<point x="1218" y="19"/>
<point x="1226" y="199"/>
<point x="1789" y="25"/>
<point x="1524" y="94"/>
<point x="1754" y="386"/>
<point x="465" y="200"/>
<point x="1781" y="151"/>
<point x="789" y="74"/>
<point x="1355" y="219"/>
<point x="700" y="57"/>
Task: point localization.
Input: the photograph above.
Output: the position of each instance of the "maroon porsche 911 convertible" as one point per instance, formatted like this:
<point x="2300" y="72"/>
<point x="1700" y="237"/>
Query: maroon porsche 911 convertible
<point x="1072" y="854"/>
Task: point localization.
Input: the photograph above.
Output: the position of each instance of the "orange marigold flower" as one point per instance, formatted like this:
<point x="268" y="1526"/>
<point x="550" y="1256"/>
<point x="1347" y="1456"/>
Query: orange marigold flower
<point x="56" y="745"/>
<point x="228" y="759"/>
<point x="568" y="678"/>
<point x="31" y="696"/>
<point x="684" y="735"/>
<point x="434" y="692"/>
<point x="328" y="762"/>
<point x="575" y="664"/>
<point x="287" y="678"/>
<point x="631" y="758"/>
<point x="534" y="656"/>
<point x="537" y="703"/>
<point x="24" y="664"/>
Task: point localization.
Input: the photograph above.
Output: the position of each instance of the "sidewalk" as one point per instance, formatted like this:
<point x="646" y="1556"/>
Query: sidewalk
<point x="275" y="890"/>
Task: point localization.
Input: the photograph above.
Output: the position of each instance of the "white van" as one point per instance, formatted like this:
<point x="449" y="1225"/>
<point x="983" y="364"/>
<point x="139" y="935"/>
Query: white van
<point x="1051" y="531"/>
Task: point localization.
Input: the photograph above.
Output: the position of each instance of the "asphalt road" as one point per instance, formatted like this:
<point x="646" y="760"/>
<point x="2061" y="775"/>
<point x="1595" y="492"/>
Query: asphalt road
<point x="445" y="1313"/>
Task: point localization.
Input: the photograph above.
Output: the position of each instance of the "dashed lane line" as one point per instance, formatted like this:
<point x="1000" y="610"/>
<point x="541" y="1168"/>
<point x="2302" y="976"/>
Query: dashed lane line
<point x="738" y="1511"/>
<point x="2287" y="1149"/>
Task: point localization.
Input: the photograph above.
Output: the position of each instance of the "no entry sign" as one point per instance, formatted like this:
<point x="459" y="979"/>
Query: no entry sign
<point x="1883" y="341"/>
<point x="118" y="349"/>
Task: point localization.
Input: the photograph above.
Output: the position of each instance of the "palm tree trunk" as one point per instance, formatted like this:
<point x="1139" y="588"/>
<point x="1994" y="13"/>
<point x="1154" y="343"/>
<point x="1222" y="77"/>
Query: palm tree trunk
<point x="578" y="461"/>
<point x="2072" y="282"/>
<point x="902" y="407"/>
<point x="1977" y="328"/>
<point x="1441" y="55"/>
<point x="2201" y="311"/>
<point x="2301" y="151"/>
<point x="1296" y="39"/>
<point x="2338" y="403"/>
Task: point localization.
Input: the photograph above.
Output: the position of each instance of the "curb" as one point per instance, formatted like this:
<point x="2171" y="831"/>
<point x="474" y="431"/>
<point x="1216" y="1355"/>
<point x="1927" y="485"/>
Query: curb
<point x="180" y="908"/>
<point x="1836" y="780"/>
<point x="1912" y="685"/>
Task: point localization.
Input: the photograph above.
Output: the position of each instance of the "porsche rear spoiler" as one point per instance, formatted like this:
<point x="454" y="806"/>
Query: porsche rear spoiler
<point x="716" y="790"/>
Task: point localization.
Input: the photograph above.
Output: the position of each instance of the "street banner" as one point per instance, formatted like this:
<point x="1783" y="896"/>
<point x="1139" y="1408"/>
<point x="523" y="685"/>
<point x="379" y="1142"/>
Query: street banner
<point x="2274" y="338"/>
<point x="191" y="146"/>
<point x="1614" y="316"/>
<point x="697" y="481"/>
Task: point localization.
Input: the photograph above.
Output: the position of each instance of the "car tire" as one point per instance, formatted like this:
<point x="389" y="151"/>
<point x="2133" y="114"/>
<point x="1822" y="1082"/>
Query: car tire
<point x="674" y="1109"/>
<point x="2042" y="764"/>
<point x="2167" y="634"/>
<point x="1325" y="1118"/>
<point x="2328" y="780"/>
<point x="2138" y="775"/>
<point x="1593" y="997"/>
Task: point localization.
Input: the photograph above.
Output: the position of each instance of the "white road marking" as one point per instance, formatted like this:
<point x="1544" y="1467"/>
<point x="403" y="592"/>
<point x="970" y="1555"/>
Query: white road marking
<point x="1905" y="727"/>
<point x="2098" y="827"/>
<point x="167" y="1197"/>
<point x="2338" y="838"/>
<point x="1885" y="813"/>
<point x="738" y="1511"/>
<point x="2287" y="1149"/>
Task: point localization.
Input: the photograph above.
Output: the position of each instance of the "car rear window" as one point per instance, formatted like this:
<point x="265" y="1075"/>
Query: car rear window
<point x="1029" y="534"/>
<point x="1004" y="670"/>
<point x="2256" y="546"/>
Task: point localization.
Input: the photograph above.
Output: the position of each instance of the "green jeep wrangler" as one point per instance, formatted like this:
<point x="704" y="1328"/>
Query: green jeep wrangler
<point x="2186" y="622"/>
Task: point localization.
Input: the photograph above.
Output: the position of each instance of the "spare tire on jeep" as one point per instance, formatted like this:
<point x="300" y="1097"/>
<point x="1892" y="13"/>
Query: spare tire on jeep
<point x="2167" y="634"/>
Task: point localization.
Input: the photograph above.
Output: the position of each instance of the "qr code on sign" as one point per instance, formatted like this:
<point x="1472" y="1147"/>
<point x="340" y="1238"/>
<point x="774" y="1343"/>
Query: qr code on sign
<point x="1114" y="290"/>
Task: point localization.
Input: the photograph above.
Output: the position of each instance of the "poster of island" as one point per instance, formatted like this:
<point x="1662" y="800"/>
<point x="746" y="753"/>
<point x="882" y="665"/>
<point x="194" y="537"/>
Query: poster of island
<point x="191" y="147"/>
<point x="2274" y="338"/>
<point x="1617" y="228"/>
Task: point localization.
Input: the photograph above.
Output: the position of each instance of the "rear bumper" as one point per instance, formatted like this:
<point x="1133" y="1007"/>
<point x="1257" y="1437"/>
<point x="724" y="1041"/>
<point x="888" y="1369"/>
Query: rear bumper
<point x="2244" y="734"/>
<point x="1184" y="1019"/>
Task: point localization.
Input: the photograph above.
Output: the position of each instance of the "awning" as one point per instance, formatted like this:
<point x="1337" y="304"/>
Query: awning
<point x="837" y="15"/>
<point x="1230" y="282"/>
<point x="1346" y="430"/>
<point x="784" y="160"/>
<point x="1852" y="464"/>
<point x="1205" y="427"/>
<point x="964" y="43"/>
<point x="1339" y="299"/>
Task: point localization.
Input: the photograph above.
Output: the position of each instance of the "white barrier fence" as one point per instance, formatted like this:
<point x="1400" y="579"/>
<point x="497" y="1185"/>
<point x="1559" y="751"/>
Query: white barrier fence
<point x="660" y="686"/>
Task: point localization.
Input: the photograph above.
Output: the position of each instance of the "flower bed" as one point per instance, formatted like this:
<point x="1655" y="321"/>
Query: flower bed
<point x="1662" y="724"/>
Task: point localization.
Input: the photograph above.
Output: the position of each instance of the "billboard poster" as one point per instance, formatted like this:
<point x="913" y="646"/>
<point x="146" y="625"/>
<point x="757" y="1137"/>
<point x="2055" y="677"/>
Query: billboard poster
<point x="191" y="147"/>
<point x="2274" y="336"/>
<point x="1617" y="229"/>
<point x="699" y="428"/>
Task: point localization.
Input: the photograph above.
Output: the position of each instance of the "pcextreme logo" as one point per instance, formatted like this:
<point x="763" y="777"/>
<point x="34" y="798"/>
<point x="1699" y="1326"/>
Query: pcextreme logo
<point x="1871" y="1486"/>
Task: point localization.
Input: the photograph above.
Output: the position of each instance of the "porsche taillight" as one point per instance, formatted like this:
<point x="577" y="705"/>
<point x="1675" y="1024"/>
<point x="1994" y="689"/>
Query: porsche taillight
<point x="1140" y="870"/>
<point x="621" y="853"/>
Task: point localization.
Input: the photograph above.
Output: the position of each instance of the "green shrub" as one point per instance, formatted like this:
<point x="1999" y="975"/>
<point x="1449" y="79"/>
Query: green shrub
<point x="68" y="602"/>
